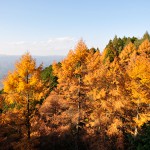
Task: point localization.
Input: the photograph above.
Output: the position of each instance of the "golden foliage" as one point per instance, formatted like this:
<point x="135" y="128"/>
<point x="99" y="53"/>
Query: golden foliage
<point x="109" y="98"/>
<point x="113" y="129"/>
<point x="24" y="79"/>
<point x="127" y="52"/>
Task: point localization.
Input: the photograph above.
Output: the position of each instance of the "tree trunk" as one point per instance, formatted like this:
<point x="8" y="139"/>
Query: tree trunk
<point x="79" y="106"/>
<point x="28" y="118"/>
<point x="137" y="116"/>
<point x="28" y="111"/>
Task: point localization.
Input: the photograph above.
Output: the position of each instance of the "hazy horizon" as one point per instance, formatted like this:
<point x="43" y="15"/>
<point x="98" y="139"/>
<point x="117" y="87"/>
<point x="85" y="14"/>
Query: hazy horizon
<point x="31" y="55"/>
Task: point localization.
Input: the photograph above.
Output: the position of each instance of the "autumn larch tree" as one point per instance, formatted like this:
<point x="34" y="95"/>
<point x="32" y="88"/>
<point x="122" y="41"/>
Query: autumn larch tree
<point x="24" y="87"/>
<point x="71" y="73"/>
<point x="139" y="73"/>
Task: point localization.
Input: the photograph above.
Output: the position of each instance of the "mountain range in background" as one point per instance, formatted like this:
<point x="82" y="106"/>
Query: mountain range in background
<point x="7" y="63"/>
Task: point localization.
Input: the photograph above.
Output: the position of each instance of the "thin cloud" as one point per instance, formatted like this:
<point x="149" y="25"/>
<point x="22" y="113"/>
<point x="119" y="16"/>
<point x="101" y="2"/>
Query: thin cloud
<point x="17" y="43"/>
<point x="52" y="46"/>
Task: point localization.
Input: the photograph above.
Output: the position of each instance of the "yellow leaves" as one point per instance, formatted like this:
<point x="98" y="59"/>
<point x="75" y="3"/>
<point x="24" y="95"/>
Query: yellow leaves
<point x="14" y="98"/>
<point x="78" y="70"/>
<point x="89" y="79"/>
<point x="21" y="86"/>
<point x="144" y="47"/>
<point x="56" y="68"/>
<point x="126" y="52"/>
<point x="97" y="94"/>
<point x="140" y="68"/>
<point x="103" y="93"/>
<point x="38" y="95"/>
<point x="93" y="61"/>
<point x="71" y="69"/>
<point x="118" y="104"/>
<point x="139" y="72"/>
<point x="26" y="65"/>
<point x="10" y="81"/>
<point x="113" y="129"/>
<point x="25" y="79"/>
<point x="34" y="79"/>
<point x="98" y="118"/>
<point x="104" y="84"/>
<point x="10" y="99"/>
<point x="80" y="50"/>
<point x="142" y="118"/>
<point x="73" y="89"/>
<point x="115" y="92"/>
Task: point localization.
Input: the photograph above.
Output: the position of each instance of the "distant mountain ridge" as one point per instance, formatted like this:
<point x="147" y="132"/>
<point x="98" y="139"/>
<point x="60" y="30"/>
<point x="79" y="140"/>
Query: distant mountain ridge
<point x="7" y="63"/>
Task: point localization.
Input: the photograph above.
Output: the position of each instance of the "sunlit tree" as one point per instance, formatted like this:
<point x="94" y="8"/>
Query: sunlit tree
<point x="139" y="73"/>
<point x="24" y="87"/>
<point x="71" y="73"/>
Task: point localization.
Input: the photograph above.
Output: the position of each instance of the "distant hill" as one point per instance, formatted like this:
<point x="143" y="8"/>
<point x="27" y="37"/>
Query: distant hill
<point x="7" y="63"/>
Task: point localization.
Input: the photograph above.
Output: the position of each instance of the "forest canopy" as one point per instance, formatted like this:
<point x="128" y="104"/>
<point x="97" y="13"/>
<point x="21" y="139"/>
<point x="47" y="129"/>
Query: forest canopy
<point x="90" y="100"/>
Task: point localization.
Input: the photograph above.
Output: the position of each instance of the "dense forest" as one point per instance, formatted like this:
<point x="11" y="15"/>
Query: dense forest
<point x="91" y="100"/>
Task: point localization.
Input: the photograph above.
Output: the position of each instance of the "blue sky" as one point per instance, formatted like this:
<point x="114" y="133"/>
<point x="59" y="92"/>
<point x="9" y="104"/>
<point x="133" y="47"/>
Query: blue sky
<point x="53" y="27"/>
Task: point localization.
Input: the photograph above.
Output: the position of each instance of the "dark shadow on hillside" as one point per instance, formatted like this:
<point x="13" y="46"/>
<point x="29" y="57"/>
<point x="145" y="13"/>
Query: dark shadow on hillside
<point x="64" y="142"/>
<point x="11" y="140"/>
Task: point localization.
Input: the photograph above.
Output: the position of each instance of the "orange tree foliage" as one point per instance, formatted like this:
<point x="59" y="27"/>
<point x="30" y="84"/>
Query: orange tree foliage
<point x="24" y="87"/>
<point x="108" y="90"/>
<point x="126" y="54"/>
<point x="108" y="98"/>
<point x="109" y="94"/>
<point x="55" y="112"/>
<point x="72" y="75"/>
<point x="139" y="73"/>
<point x="113" y="90"/>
